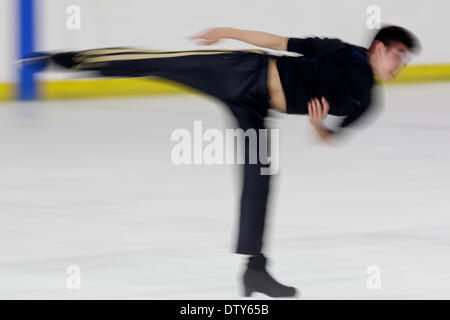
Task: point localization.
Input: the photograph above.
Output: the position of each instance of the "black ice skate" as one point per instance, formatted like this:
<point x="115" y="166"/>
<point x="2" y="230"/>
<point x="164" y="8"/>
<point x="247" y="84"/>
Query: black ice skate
<point x="39" y="61"/>
<point x="257" y="279"/>
<point x="65" y="59"/>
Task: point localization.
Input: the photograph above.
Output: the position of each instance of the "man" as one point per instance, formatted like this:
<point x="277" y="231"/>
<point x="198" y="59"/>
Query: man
<point x="331" y="77"/>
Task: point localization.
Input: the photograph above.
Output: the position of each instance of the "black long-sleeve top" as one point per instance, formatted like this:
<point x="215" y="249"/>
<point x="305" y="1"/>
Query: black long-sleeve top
<point x="331" y="68"/>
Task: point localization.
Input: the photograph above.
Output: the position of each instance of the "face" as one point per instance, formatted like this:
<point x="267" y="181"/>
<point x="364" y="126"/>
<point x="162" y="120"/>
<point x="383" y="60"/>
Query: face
<point x="388" y="62"/>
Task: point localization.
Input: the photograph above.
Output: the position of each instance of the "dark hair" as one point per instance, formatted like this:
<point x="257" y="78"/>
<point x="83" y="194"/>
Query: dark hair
<point x="391" y="33"/>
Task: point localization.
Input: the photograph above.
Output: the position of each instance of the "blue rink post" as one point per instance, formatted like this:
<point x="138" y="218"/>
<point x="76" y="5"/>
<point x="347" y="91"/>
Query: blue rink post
<point x="27" y="85"/>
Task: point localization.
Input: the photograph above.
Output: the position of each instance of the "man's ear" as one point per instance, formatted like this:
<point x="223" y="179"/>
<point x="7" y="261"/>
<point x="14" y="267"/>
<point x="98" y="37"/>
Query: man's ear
<point x="378" y="47"/>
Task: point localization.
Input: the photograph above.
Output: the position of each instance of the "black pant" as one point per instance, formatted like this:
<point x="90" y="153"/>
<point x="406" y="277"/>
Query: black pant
<point x="237" y="78"/>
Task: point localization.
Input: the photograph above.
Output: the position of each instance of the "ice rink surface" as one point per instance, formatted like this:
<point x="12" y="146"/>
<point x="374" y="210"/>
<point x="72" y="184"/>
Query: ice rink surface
<point x="90" y="183"/>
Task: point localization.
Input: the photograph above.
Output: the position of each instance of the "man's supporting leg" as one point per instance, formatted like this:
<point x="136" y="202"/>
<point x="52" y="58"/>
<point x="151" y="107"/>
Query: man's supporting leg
<point x="254" y="190"/>
<point x="253" y="208"/>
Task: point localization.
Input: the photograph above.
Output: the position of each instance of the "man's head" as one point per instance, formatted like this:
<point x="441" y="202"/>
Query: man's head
<point x="390" y="51"/>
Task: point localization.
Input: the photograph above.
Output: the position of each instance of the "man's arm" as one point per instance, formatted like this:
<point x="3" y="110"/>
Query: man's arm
<point x="363" y="111"/>
<point x="318" y="111"/>
<point x="257" y="38"/>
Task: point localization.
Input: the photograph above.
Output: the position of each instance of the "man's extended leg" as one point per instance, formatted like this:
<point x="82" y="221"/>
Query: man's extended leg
<point x="223" y="74"/>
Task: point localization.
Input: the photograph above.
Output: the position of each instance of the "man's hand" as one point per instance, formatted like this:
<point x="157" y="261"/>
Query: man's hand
<point x="210" y="36"/>
<point x="318" y="110"/>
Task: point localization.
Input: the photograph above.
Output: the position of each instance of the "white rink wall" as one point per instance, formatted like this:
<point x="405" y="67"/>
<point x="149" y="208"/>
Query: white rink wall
<point x="7" y="40"/>
<point x="166" y="24"/>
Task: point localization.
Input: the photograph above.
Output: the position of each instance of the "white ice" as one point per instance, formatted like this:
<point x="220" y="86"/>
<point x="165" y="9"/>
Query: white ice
<point x="90" y="183"/>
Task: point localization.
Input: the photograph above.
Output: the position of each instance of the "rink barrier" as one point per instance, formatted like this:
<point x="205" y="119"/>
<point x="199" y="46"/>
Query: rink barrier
<point x="7" y="91"/>
<point x="104" y="88"/>
<point x="423" y="73"/>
